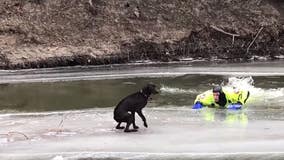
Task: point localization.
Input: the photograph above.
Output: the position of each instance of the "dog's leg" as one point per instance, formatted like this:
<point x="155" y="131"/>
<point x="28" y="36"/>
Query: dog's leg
<point x="118" y="126"/>
<point x="133" y="117"/>
<point x="143" y="118"/>
<point x="128" y="123"/>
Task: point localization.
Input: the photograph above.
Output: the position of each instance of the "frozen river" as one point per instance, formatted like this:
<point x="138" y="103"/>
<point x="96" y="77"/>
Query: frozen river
<point x="66" y="113"/>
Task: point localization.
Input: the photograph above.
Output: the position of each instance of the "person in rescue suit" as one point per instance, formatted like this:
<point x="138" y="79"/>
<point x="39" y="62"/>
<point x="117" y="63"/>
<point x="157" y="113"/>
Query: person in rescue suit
<point x="221" y="98"/>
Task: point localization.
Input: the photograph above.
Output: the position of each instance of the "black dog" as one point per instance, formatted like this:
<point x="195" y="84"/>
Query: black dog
<point x="126" y="108"/>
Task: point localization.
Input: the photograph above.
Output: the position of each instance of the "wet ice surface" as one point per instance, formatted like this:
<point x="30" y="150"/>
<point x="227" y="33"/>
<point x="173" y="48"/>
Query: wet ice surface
<point x="91" y="133"/>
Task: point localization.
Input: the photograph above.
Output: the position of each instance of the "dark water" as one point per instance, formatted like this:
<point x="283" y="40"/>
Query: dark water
<point x="66" y="113"/>
<point x="176" y="91"/>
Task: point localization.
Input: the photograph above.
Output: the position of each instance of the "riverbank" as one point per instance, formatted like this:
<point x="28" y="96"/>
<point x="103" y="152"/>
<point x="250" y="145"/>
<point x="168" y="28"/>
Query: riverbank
<point x="43" y="33"/>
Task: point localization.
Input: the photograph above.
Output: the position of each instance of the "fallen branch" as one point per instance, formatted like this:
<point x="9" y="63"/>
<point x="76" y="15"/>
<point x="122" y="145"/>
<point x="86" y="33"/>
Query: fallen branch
<point x="251" y="43"/>
<point x="9" y="134"/>
<point x="222" y="31"/>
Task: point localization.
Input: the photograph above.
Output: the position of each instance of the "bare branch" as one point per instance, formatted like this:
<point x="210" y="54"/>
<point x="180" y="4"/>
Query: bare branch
<point x="251" y="43"/>
<point x="91" y="3"/>
<point x="222" y="31"/>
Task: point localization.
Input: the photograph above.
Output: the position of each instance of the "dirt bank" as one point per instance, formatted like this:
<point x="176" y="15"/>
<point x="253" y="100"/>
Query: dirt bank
<point x="50" y="33"/>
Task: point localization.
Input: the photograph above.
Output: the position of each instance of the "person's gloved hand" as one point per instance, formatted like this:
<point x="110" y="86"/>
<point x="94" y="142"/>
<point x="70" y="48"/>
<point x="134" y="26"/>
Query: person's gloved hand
<point x="197" y="105"/>
<point x="234" y="106"/>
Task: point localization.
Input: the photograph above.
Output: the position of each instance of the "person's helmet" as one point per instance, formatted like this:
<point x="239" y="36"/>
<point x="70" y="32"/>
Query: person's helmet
<point x="217" y="89"/>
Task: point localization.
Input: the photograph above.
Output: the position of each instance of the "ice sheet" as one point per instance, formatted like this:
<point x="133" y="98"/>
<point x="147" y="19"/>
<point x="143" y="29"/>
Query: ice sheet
<point x="171" y="130"/>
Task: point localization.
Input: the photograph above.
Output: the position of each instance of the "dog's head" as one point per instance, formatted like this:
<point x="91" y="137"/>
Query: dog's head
<point x="150" y="89"/>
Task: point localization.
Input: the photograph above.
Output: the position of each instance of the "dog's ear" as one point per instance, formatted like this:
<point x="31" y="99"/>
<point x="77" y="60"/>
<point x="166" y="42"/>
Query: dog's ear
<point x="150" y="88"/>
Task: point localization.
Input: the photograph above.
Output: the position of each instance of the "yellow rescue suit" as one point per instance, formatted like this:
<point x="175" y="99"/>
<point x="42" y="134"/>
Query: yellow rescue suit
<point x="232" y="96"/>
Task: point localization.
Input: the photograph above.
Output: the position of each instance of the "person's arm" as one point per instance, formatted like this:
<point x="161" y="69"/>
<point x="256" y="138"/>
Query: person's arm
<point x="238" y="100"/>
<point x="204" y="99"/>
